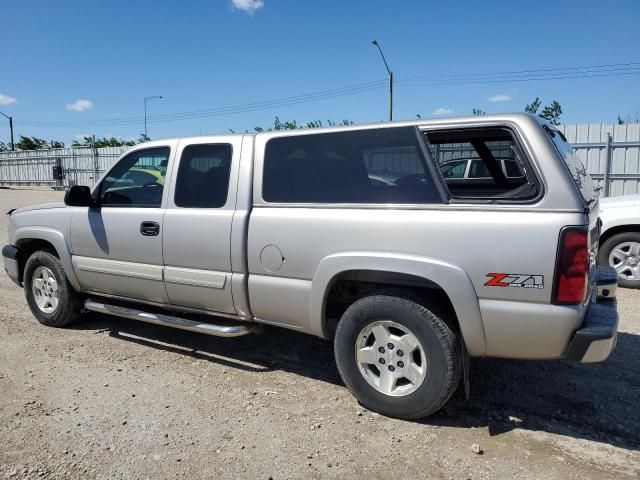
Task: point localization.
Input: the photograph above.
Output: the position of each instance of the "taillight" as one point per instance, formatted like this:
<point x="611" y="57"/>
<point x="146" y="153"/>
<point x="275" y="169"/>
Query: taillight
<point x="572" y="267"/>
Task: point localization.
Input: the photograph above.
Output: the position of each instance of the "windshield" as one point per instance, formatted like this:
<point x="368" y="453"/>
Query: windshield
<point x="582" y="179"/>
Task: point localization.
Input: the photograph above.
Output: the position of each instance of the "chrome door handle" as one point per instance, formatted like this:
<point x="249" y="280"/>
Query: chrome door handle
<point x="149" y="229"/>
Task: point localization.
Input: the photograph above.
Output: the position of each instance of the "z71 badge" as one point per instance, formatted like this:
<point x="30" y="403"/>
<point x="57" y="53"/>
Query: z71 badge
<point x="516" y="280"/>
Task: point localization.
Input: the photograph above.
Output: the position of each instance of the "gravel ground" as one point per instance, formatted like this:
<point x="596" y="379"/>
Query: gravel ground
<point x="113" y="398"/>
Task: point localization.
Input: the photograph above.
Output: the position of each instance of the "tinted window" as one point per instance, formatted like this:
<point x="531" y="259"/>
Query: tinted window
<point x="203" y="176"/>
<point x="512" y="169"/>
<point x="479" y="170"/>
<point x="578" y="172"/>
<point x="454" y="169"/>
<point x="365" y="166"/>
<point x="496" y="170"/>
<point x="137" y="180"/>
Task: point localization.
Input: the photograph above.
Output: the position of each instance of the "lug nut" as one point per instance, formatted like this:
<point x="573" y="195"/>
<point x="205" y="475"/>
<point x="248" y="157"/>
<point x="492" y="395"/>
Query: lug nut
<point x="381" y="360"/>
<point x="400" y="364"/>
<point x="400" y="353"/>
<point x="381" y="349"/>
<point x="390" y="346"/>
<point x="391" y="368"/>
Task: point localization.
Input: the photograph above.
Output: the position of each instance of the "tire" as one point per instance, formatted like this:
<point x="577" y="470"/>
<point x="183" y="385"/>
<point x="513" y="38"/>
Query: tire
<point x="432" y="375"/>
<point x="52" y="300"/>
<point x="626" y="261"/>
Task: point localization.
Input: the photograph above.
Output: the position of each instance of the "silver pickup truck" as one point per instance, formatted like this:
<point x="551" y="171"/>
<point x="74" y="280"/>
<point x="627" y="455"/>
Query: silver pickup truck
<point x="361" y="234"/>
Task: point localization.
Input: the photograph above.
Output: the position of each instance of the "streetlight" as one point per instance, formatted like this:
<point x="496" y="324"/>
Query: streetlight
<point x="375" y="42"/>
<point x="145" y="112"/>
<point x="10" y="128"/>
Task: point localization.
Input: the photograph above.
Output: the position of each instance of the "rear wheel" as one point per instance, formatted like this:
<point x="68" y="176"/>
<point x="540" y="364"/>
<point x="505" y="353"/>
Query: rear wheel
<point x="397" y="357"/>
<point x="51" y="298"/>
<point x="622" y="252"/>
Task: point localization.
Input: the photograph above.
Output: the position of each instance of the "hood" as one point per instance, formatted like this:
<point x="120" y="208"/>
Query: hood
<point x="617" y="202"/>
<point x="41" y="206"/>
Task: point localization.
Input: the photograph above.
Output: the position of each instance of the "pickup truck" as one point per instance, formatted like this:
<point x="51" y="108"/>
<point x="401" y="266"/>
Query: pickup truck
<point x="350" y="233"/>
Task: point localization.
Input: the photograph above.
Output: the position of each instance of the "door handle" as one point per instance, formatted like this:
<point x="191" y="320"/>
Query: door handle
<point x="149" y="229"/>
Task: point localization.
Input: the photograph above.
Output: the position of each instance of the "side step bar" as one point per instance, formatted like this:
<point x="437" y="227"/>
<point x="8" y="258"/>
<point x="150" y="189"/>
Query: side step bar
<point x="170" y="321"/>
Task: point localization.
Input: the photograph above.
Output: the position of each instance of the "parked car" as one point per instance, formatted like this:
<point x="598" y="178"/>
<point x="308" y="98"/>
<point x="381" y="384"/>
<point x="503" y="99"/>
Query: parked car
<point x="620" y="238"/>
<point x="353" y="234"/>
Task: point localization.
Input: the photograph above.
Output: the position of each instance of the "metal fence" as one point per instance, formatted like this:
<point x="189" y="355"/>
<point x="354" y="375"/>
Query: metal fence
<point x="57" y="168"/>
<point x="611" y="154"/>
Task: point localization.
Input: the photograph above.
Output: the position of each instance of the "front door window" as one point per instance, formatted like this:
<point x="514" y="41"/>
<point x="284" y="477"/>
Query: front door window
<point x="137" y="180"/>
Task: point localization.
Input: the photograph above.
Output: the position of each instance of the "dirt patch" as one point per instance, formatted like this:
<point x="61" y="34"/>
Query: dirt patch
<point x="112" y="398"/>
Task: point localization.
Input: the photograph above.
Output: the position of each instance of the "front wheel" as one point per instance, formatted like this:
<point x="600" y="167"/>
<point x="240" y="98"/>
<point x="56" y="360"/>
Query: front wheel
<point x="51" y="298"/>
<point x="622" y="252"/>
<point x="397" y="357"/>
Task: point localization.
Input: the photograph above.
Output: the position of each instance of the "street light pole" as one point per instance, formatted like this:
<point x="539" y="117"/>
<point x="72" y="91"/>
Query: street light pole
<point x="145" y="112"/>
<point x="375" y="42"/>
<point x="10" y="128"/>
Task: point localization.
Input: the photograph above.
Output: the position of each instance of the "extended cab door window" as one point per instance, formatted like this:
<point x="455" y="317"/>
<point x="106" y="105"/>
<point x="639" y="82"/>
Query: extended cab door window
<point x="137" y="180"/>
<point x="203" y="176"/>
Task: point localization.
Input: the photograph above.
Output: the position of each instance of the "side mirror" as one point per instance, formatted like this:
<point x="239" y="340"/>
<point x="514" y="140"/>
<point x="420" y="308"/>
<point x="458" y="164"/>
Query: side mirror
<point x="78" y="196"/>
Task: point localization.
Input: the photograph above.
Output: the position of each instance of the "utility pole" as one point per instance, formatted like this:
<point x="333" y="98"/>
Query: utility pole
<point x="375" y="42"/>
<point x="145" y="112"/>
<point x="10" y="128"/>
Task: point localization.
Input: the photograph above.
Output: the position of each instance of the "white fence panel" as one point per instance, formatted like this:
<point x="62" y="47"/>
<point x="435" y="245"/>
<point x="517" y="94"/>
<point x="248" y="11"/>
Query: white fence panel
<point x="59" y="168"/>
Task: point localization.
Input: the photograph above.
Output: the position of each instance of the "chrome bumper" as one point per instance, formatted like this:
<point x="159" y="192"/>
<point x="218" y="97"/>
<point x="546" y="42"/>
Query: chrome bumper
<point x="10" y="260"/>
<point x="598" y="335"/>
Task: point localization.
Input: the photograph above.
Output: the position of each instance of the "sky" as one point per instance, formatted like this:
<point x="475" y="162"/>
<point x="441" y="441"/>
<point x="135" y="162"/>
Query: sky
<point x="75" y="68"/>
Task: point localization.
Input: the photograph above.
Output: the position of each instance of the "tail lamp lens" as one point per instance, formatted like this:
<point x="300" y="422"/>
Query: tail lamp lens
<point x="572" y="268"/>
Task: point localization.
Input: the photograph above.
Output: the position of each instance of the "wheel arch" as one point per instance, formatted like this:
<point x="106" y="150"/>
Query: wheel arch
<point x="398" y="270"/>
<point x="618" y="228"/>
<point x="32" y="239"/>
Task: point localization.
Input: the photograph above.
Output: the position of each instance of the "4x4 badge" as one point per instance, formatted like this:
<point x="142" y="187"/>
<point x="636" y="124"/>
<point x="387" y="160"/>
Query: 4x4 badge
<point x="517" y="280"/>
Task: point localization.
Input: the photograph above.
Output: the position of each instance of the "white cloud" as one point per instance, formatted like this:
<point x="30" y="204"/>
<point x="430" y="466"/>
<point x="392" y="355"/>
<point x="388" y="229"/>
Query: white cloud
<point x="80" y="105"/>
<point x="442" y="111"/>
<point x="248" y="6"/>
<point x="7" y="100"/>
<point x="500" y="98"/>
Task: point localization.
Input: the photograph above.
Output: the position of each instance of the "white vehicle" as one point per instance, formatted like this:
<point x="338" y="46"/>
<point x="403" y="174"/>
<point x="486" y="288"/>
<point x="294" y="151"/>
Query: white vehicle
<point x="620" y="238"/>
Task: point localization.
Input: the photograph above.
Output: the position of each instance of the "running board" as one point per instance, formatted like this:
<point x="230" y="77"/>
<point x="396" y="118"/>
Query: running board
<point x="170" y="321"/>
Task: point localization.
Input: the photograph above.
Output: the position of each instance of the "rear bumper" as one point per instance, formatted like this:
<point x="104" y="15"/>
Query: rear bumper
<point x="10" y="261"/>
<point x="598" y="334"/>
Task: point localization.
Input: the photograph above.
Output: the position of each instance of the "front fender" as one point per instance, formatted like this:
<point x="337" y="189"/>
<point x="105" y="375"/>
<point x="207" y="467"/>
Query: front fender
<point x="55" y="238"/>
<point x="452" y="279"/>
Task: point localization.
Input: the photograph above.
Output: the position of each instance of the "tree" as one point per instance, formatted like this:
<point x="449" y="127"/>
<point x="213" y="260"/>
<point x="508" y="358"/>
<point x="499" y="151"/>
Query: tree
<point x="477" y="112"/>
<point x="31" y="143"/>
<point x="633" y="118"/>
<point x="533" y="107"/>
<point x="550" y="112"/>
<point x="292" y="125"/>
<point x="56" y="144"/>
<point x="4" y="147"/>
<point x="109" y="142"/>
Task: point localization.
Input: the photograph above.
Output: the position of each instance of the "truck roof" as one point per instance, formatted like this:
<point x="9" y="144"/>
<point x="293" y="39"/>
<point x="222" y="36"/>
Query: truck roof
<point x="518" y="117"/>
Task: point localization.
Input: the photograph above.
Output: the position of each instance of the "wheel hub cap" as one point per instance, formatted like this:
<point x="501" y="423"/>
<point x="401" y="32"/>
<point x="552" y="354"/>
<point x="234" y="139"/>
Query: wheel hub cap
<point x="45" y="289"/>
<point x="390" y="358"/>
<point x="625" y="258"/>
